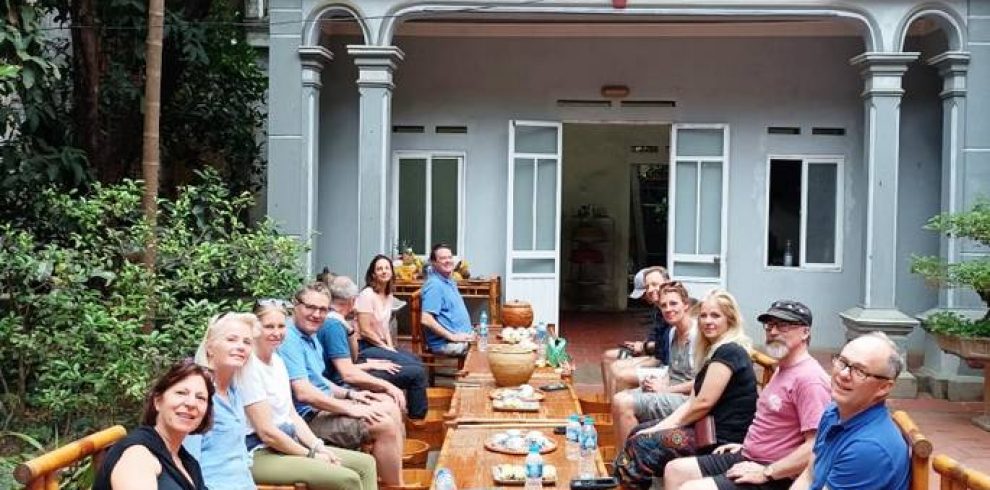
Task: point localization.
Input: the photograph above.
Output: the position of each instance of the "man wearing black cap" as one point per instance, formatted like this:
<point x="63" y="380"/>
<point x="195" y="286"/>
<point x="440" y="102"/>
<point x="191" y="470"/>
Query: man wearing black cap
<point x="778" y="444"/>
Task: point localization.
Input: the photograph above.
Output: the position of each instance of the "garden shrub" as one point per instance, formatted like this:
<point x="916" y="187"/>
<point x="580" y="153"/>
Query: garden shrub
<point x="74" y="296"/>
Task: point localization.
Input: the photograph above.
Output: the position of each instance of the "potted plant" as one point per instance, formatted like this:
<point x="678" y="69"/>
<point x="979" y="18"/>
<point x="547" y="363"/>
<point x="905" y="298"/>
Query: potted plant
<point x="967" y="336"/>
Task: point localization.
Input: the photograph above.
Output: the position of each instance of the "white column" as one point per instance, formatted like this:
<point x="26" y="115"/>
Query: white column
<point x="376" y="65"/>
<point x="313" y="58"/>
<point x="882" y="73"/>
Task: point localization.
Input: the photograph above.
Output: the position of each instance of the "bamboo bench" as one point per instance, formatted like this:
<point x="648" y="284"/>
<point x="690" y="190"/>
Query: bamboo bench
<point x="920" y="449"/>
<point x="955" y="476"/>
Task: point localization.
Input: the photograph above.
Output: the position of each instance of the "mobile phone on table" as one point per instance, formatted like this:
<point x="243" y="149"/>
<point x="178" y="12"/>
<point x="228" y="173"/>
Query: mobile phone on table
<point x="594" y="483"/>
<point x="553" y="387"/>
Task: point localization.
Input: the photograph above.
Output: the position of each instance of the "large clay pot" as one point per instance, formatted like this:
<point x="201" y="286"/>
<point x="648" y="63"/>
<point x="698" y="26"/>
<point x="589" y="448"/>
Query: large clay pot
<point x="511" y="365"/>
<point x="517" y="313"/>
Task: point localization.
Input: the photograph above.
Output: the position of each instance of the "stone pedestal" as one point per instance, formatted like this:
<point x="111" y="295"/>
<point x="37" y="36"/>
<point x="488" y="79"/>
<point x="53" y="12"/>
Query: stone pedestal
<point x="974" y="351"/>
<point x="897" y="326"/>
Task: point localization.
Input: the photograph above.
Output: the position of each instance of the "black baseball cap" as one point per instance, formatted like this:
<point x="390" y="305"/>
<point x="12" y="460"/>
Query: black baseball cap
<point x="789" y="311"/>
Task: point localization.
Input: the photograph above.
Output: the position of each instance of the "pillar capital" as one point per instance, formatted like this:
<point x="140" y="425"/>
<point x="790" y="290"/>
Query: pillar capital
<point x="375" y="64"/>
<point x="882" y="72"/>
<point x="314" y="59"/>
<point x="952" y="67"/>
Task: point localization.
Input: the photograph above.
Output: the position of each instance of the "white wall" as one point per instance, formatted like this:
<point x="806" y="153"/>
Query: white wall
<point x="748" y="83"/>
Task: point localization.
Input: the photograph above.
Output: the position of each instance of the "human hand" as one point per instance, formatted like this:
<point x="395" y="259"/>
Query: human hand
<point x="462" y="337"/>
<point x="747" y="472"/>
<point x="327" y="457"/>
<point x="730" y="448"/>
<point x="365" y="397"/>
<point x="383" y="365"/>
<point x="365" y="412"/>
<point x="635" y="347"/>
<point x="398" y="396"/>
<point x="654" y="384"/>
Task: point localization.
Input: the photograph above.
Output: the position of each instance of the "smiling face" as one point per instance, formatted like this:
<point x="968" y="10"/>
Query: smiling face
<point x="854" y="392"/>
<point x="712" y="321"/>
<point x="443" y="261"/>
<point x="231" y="347"/>
<point x="383" y="271"/>
<point x="182" y="406"/>
<point x="653" y="281"/>
<point x="311" y="311"/>
<point x="272" y="331"/>
<point x="672" y="306"/>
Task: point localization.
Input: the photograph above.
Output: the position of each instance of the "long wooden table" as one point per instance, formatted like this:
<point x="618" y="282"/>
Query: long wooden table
<point x="464" y="455"/>
<point x="471" y="404"/>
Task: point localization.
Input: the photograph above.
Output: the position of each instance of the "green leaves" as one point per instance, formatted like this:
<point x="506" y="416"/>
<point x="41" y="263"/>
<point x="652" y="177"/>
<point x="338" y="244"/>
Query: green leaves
<point x="73" y="295"/>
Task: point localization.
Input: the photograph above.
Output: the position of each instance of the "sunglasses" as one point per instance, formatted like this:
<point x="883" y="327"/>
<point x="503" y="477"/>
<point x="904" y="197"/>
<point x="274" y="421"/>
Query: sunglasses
<point x="275" y="302"/>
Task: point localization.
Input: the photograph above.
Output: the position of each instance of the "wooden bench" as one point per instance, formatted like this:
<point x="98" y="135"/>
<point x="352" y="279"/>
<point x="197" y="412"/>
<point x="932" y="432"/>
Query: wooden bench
<point x="955" y="476"/>
<point x="920" y="449"/>
<point x="42" y="473"/>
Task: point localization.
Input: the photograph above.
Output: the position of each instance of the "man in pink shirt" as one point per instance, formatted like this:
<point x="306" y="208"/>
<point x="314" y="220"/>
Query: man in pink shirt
<point x="778" y="444"/>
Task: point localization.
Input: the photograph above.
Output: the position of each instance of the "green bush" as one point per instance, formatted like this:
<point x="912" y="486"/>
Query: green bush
<point x="74" y="296"/>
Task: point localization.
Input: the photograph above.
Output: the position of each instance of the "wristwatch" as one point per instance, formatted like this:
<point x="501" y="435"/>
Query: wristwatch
<point x="768" y="472"/>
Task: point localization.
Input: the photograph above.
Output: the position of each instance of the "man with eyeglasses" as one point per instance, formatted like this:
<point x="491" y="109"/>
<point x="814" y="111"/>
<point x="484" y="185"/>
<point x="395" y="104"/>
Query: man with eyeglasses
<point x="858" y="445"/>
<point x="343" y="417"/>
<point x="778" y="444"/>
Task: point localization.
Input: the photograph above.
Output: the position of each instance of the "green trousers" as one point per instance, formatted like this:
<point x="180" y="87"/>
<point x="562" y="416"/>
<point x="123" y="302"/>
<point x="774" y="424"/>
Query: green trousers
<point x="356" y="471"/>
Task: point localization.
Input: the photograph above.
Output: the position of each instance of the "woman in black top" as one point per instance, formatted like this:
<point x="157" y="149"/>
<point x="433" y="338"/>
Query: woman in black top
<point x="725" y="388"/>
<point x="151" y="456"/>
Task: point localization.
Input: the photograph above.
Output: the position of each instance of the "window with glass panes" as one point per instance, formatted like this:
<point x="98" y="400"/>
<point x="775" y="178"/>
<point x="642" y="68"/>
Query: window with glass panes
<point x="429" y="200"/>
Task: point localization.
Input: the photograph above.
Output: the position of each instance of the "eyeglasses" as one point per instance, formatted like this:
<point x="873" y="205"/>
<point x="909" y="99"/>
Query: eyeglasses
<point x="781" y="327"/>
<point x="840" y="364"/>
<point x="322" y="310"/>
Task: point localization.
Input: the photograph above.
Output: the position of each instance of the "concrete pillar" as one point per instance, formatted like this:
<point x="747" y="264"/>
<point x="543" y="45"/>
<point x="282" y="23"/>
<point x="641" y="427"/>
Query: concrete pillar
<point x="946" y="375"/>
<point x="375" y="64"/>
<point x="313" y="59"/>
<point x="882" y="73"/>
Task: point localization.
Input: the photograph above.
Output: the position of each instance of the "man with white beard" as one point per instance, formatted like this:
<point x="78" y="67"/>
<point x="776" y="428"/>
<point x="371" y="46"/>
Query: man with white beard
<point x="778" y="444"/>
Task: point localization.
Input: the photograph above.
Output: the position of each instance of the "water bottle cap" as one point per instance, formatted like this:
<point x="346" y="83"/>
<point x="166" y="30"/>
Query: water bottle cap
<point x="575" y="416"/>
<point x="589" y="420"/>
<point x="534" y="447"/>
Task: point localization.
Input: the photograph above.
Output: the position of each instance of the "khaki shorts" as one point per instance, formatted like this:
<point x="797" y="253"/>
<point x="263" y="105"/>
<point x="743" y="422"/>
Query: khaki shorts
<point x="339" y="430"/>
<point x="655" y="406"/>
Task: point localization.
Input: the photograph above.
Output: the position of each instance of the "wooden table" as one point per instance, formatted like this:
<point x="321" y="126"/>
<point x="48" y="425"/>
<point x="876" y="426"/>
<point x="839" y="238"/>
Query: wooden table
<point x="472" y="405"/>
<point x="489" y="289"/>
<point x="464" y="454"/>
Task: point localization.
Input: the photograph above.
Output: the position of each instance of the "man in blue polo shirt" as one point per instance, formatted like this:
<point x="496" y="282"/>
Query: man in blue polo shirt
<point x="445" y="316"/>
<point x="858" y="445"/>
<point x="342" y="417"/>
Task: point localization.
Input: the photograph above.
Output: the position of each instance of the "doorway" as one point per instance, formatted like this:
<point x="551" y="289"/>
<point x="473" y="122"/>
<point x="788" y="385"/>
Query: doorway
<point x="613" y="203"/>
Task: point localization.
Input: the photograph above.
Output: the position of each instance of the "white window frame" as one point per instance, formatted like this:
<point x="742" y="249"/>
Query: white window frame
<point x="429" y="155"/>
<point x="806" y="160"/>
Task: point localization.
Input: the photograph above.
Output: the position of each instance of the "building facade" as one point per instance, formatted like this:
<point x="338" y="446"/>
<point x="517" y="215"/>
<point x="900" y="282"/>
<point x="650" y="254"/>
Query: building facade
<point x="776" y="149"/>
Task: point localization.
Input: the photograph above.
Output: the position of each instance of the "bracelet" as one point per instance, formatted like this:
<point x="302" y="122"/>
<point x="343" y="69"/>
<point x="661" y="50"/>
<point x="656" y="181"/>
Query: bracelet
<point x="312" y="452"/>
<point x="347" y="395"/>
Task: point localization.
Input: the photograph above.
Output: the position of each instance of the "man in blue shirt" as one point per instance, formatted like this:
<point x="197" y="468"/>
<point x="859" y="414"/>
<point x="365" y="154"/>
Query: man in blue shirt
<point x="445" y="316"/>
<point x="343" y="417"/>
<point x="858" y="445"/>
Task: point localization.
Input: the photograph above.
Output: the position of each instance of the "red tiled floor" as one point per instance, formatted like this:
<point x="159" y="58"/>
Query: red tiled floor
<point x="947" y="424"/>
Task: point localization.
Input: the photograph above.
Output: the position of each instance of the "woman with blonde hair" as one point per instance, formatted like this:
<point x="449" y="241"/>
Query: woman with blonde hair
<point x="225" y="349"/>
<point x="285" y="449"/>
<point x="724" y="388"/>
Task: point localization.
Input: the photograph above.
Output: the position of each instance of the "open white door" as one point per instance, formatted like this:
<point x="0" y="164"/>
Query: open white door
<point x="533" y="220"/>
<point x="699" y="156"/>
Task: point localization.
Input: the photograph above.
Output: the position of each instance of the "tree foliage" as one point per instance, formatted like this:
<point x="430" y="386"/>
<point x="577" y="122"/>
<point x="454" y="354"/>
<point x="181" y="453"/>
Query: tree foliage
<point x="72" y="112"/>
<point x="72" y="302"/>
<point x="974" y="274"/>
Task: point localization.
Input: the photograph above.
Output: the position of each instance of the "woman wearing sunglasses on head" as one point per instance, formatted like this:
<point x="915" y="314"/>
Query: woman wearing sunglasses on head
<point x="285" y="449"/>
<point x="152" y="456"/>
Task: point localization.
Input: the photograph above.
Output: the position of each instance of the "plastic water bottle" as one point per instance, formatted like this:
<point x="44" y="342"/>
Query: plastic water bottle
<point x="589" y="448"/>
<point x="534" y="468"/>
<point x="573" y="434"/>
<point x="483" y="332"/>
<point x="541" y="341"/>
<point x="444" y="480"/>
